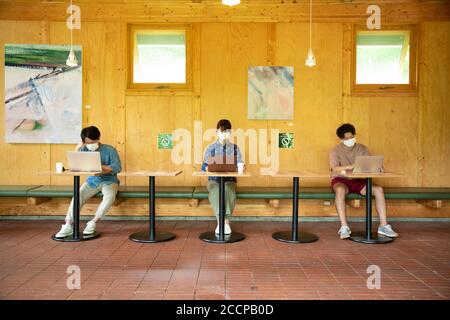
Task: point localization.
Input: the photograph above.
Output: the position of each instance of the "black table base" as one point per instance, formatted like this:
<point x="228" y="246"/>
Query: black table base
<point x="213" y="237"/>
<point x="76" y="236"/>
<point x="144" y="237"/>
<point x="151" y="236"/>
<point x="368" y="236"/>
<point x="82" y="237"/>
<point x="221" y="237"/>
<point x="302" y="237"/>
<point x="374" y="238"/>
<point x="294" y="236"/>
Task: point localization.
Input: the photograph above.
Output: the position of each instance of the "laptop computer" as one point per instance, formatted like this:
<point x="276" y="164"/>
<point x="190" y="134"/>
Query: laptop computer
<point x="368" y="164"/>
<point x="84" y="161"/>
<point x="222" y="163"/>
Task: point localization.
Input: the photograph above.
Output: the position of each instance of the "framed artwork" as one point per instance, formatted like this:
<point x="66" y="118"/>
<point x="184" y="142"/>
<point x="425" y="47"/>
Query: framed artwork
<point x="271" y="93"/>
<point x="43" y="96"/>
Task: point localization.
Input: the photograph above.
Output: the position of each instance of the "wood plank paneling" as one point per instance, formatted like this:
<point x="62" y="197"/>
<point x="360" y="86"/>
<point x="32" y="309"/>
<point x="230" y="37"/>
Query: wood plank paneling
<point x="435" y="106"/>
<point x="146" y="116"/>
<point x="317" y="95"/>
<point x="213" y="11"/>
<point x="412" y="132"/>
<point x="382" y="126"/>
<point x="20" y="162"/>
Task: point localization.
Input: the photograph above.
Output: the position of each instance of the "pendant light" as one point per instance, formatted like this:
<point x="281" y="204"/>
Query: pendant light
<point x="231" y="2"/>
<point x="71" y="59"/>
<point x="311" y="59"/>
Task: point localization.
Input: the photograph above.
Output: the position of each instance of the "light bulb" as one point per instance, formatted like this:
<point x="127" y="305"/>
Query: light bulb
<point x="310" y="60"/>
<point x="231" y="2"/>
<point x="72" y="59"/>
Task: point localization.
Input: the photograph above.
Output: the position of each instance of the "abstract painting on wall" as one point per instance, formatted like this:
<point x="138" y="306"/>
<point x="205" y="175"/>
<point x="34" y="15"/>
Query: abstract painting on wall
<point x="271" y="93"/>
<point x="43" y="96"/>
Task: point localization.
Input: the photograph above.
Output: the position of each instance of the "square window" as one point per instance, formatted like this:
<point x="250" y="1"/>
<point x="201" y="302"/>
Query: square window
<point x="159" y="57"/>
<point x="384" y="60"/>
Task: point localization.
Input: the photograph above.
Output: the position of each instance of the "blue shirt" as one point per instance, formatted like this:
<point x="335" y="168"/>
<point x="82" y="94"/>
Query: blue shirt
<point x="219" y="149"/>
<point x="108" y="157"/>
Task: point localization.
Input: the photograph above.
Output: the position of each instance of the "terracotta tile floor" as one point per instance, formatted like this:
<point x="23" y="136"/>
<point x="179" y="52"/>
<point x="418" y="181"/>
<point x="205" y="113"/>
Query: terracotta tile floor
<point x="32" y="266"/>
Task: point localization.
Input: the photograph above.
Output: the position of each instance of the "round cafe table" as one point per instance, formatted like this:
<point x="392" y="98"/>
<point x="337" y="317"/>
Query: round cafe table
<point x="151" y="235"/>
<point x="221" y="237"/>
<point x="294" y="235"/>
<point x="368" y="236"/>
<point x="76" y="236"/>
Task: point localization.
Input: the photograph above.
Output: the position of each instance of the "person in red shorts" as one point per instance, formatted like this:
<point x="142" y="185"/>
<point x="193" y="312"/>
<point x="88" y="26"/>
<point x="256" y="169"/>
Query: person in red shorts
<point x="342" y="158"/>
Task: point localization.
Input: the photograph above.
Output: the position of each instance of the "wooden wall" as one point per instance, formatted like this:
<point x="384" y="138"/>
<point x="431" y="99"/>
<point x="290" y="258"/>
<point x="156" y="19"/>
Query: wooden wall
<point x="411" y="131"/>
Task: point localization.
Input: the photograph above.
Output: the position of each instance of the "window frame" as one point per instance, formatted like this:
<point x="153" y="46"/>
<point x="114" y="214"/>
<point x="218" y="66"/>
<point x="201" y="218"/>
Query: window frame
<point x="388" y="88"/>
<point x="158" y="87"/>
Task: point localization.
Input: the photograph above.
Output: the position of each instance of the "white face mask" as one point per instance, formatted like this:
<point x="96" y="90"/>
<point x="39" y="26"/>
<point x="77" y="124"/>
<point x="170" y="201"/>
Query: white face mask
<point x="92" y="146"/>
<point x="350" y="142"/>
<point x="223" y="135"/>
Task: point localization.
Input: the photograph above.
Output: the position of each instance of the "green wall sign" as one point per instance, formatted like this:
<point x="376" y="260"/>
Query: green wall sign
<point x="165" y="141"/>
<point x="286" y="140"/>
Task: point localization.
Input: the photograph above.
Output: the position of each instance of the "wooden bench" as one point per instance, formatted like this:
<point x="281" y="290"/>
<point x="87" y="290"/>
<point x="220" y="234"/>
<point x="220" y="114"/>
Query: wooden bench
<point x="431" y="197"/>
<point x="36" y="194"/>
<point x="40" y="194"/>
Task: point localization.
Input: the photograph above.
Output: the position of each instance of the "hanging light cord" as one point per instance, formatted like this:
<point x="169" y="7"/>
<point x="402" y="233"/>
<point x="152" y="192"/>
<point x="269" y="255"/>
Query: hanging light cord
<point x="310" y="22"/>
<point x="71" y="26"/>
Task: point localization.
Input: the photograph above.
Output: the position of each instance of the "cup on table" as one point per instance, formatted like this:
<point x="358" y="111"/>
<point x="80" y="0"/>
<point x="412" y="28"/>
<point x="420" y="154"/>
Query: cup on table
<point x="59" y="167"/>
<point x="240" y="167"/>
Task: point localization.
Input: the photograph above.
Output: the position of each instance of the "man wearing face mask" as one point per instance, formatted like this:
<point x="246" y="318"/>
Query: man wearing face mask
<point x="218" y="148"/>
<point x="342" y="158"/>
<point x="105" y="182"/>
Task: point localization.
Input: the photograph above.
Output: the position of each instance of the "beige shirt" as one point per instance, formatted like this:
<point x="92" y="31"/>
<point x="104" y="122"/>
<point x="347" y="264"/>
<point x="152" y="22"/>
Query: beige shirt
<point x="341" y="155"/>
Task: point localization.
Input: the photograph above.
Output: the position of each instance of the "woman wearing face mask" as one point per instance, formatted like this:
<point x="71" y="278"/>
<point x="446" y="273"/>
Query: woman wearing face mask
<point x="106" y="182"/>
<point x="342" y="158"/>
<point x="218" y="148"/>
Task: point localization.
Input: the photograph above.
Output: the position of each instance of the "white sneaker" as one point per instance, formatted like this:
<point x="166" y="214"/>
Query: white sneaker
<point x="227" y="229"/>
<point x="66" y="230"/>
<point x="90" y="228"/>
<point x="387" y="231"/>
<point x="344" y="232"/>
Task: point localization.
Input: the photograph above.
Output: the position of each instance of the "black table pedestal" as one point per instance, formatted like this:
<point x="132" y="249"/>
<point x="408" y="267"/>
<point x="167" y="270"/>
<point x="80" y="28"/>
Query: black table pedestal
<point x="294" y="236"/>
<point x="144" y="237"/>
<point x="213" y="237"/>
<point x="368" y="237"/>
<point x="76" y="236"/>
<point x="361" y="236"/>
<point x="151" y="236"/>
<point x="221" y="237"/>
<point x="302" y="237"/>
<point x="81" y="237"/>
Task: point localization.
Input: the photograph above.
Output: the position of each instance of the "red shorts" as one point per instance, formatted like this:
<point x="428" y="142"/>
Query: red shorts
<point x="353" y="185"/>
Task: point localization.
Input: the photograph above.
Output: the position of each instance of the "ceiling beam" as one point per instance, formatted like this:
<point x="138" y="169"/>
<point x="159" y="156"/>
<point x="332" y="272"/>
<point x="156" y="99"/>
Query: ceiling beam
<point x="207" y="11"/>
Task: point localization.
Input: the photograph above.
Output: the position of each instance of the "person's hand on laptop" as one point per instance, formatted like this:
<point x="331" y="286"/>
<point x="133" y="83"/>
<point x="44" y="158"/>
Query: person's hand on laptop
<point x="349" y="168"/>
<point x="105" y="170"/>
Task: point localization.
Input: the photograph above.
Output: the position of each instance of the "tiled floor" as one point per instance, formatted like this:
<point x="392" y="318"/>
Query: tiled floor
<point x="32" y="266"/>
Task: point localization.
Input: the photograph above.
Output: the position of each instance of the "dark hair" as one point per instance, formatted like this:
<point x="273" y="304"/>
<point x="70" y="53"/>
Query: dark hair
<point x="90" y="132"/>
<point x="346" y="127"/>
<point x="224" y="124"/>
